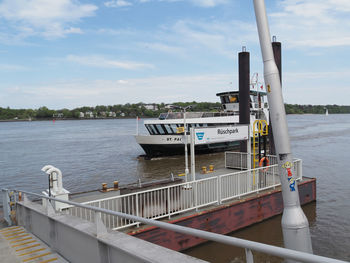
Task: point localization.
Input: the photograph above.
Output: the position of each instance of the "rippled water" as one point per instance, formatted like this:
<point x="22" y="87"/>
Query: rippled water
<point x="90" y="152"/>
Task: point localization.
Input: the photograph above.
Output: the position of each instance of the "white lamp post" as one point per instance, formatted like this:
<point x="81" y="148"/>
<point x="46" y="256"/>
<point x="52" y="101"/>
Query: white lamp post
<point x="185" y="138"/>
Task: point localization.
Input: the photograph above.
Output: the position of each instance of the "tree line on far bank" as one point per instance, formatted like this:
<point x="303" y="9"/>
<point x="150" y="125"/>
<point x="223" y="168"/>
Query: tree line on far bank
<point x="144" y="111"/>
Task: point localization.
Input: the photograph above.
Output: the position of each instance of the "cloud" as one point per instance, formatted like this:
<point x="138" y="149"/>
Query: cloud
<point x="117" y="3"/>
<point x="10" y="67"/>
<point x="302" y="88"/>
<point x="312" y="23"/>
<point x="45" y="17"/>
<point x="74" y="93"/>
<point x="162" y="47"/>
<point x="102" y="62"/>
<point x="211" y="35"/>
<point x="200" y="3"/>
<point x="208" y="3"/>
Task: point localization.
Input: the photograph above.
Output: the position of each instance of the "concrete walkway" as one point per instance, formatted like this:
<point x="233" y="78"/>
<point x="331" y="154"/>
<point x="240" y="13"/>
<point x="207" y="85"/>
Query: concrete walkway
<point x="17" y="245"/>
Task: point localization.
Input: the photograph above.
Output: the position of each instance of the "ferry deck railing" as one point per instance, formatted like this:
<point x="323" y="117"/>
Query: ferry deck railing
<point x="177" y="199"/>
<point x="238" y="160"/>
<point x="249" y="246"/>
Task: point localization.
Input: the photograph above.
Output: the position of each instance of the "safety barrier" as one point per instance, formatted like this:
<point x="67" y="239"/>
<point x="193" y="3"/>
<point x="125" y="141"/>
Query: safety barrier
<point x="175" y="199"/>
<point x="238" y="160"/>
<point x="249" y="246"/>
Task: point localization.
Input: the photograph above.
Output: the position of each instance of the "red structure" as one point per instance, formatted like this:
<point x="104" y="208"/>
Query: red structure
<point x="226" y="218"/>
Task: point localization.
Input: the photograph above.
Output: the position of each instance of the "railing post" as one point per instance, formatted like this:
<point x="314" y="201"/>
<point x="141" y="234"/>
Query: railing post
<point x="100" y="226"/>
<point x="239" y="185"/>
<point x="300" y="169"/>
<point x="25" y="198"/>
<point x="6" y="206"/>
<point x="50" y="210"/>
<point x="218" y="189"/>
<point x="137" y="207"/>
<point x="195" y="185"/>
<point x="168" y="194"/>
<point x="225" y="159"/>
<point x="249" y="256"/>
<point x="241" y="160"/>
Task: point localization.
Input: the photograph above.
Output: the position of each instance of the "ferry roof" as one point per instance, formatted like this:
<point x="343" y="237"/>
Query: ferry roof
<point x="252" y="92"/>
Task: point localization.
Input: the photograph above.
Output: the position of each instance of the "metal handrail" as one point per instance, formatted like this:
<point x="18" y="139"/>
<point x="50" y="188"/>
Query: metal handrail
<point x="168" y="200"/>
<point x="246" y="244"/>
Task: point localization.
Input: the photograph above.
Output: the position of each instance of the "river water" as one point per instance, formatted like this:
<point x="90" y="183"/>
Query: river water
<point x="91" y="152"/>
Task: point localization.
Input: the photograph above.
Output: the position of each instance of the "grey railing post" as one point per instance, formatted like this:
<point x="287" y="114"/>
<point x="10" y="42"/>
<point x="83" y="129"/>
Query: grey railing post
<point x="50" y="211"/>
<point x="6" y="206"/>
<point x="168" y="195"/>
<point x="195" y="186"/>
<point x="218" y="189"/>
<point x="249" y="256"/>
<point x="100" y="226"/>
<point x="239" y="186"/>
<point x="137" y="207"/>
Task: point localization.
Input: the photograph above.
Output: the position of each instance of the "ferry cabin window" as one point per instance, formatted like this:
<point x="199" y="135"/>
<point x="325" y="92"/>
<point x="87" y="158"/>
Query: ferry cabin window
<point x="148" y="129"/>
<point x="233" y="98"/>
<point x="173" y="127"/>
<point x="168" y="129"/>
<point x="229" y="99"/>
<point x="160" y="129"/>
<point x="153" y="130"/>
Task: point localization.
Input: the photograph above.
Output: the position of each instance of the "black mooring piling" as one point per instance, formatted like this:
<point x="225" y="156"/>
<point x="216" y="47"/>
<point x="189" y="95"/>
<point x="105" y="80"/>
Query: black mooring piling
<point x="244" y="89"/>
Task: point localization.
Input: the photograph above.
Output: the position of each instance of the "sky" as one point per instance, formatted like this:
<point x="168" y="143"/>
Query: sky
<point x="72" y="53"/>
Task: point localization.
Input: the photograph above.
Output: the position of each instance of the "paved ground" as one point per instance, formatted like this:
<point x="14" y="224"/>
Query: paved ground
<point x="17" y="245"/>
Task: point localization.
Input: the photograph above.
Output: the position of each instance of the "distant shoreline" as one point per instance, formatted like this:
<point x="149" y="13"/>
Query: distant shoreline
<point x="125" y="118"/>
<point x="73" y="119"/>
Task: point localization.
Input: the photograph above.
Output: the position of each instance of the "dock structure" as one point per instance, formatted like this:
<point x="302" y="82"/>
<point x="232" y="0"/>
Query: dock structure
<point x="225" y="218"/>
<point x="221" y="201"/>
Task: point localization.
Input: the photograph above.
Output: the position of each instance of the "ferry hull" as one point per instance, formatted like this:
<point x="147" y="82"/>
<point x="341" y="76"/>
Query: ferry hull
<point x="157" y="150"/>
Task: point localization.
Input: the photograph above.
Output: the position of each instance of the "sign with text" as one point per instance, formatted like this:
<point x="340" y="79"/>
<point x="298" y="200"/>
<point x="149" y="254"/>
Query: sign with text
<point x="221" y="134"/>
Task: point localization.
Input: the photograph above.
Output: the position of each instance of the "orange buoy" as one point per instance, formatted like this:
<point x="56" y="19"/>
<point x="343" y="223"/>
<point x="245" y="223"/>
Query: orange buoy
<point x="262" y="162"/>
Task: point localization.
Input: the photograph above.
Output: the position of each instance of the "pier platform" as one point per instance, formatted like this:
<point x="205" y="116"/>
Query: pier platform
<point x="220" y="201"/>
<point x="228" y="217"/>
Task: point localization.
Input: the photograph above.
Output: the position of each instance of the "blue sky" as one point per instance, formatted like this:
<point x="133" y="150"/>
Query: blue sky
<point x="71" y="53"/>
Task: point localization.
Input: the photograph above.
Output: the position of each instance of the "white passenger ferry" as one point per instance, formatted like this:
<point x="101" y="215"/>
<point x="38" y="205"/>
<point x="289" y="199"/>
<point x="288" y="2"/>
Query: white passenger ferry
<point x="164" y="139"/>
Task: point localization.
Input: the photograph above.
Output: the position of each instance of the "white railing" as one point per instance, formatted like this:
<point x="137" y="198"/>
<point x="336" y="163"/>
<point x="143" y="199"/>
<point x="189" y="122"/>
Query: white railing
<point x="238" y="160"/>
<point x="175" y="199"/>
<point x="249" y="246"/>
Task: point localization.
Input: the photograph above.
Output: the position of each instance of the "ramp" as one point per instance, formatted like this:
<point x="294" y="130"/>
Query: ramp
<point x="17" y="245"/>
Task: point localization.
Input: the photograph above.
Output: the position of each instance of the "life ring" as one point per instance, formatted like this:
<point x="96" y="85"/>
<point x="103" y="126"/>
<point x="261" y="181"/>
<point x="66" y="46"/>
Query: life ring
<point x="262" y="162"/>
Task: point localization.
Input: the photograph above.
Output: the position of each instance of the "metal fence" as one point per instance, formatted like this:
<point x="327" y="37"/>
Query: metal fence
<point x="249" y="246"/>
<point x="175" y="199"/>
<point x="238" y="160"/>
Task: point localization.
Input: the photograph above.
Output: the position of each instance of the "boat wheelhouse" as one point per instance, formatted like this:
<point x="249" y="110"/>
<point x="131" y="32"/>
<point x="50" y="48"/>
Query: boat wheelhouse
<point x="166" y="133"/>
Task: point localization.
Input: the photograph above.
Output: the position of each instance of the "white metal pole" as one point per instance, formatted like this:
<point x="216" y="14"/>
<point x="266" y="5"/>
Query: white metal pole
<point x="249" y="150"/>
<point x="295" y="226"/>
<point x="137" y="125"/>
<point x="185" y="141"/>
<point x="193" y="160"/>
